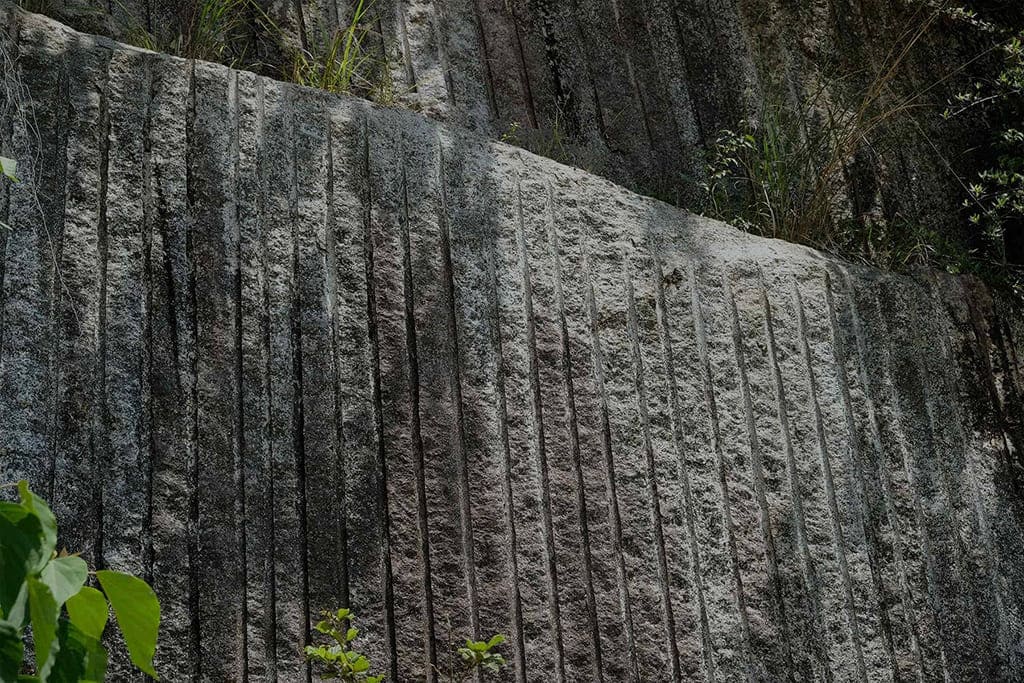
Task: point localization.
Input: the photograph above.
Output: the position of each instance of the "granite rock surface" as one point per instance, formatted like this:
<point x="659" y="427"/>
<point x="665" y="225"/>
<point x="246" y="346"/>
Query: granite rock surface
<point x="279" y="351"/>
<point x="640" y="91"/>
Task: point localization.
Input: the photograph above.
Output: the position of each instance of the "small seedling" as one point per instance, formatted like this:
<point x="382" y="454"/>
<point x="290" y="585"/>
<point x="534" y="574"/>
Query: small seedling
<point x="478" y="654"/>
<point x="339" y="660"/>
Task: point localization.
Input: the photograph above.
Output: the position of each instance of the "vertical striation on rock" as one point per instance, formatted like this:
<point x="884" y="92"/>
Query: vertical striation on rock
<point x="279" y="351"/>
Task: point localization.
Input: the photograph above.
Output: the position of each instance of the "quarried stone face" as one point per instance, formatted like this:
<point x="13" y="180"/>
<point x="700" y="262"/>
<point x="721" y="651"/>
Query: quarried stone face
<point x="279" y="351"/>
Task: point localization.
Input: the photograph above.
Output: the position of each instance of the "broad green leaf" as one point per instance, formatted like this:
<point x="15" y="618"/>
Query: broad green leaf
<point x="23" y="551"/>
<point x="13" y="512"/>
<point x="11" y="651"/>
<point x="9" y="167"/>
<point x="351" y="634"/>
<point x="80" y="659"/>
<point x="20" y="541"/>
<point x="88" y="611"/>
<point x="138" y="615"/>
<point x="65" y="576"/>
<point x="496" y="639"/>
<point x="36" y="506"/>
<point x="44" y="611"/>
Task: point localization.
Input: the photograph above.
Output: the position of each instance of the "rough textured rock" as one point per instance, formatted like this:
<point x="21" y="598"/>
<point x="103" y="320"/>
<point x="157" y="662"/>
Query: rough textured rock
<point x="639" y="91"/>
<point x="279" y="351"/>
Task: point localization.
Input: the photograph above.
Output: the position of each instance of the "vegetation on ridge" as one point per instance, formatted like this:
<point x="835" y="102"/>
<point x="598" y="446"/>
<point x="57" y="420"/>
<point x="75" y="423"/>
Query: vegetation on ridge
<point x="785" y="172"/>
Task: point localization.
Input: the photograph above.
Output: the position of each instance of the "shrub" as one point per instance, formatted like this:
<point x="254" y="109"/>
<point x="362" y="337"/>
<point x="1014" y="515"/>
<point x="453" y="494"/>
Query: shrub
<point x="782" y="173"/>
<point x="48" y="590"/>
<point x="995" y="198"/>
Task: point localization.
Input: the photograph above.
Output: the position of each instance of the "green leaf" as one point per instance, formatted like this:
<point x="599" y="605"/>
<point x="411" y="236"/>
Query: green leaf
<point x="88" y="611"/>
<point x="496" y="639"/>
<point x="138" y="615"/>
<point x="20" y="545"/>
<point x="65" y="576"/>
<point x="36" y="506"/>
<point x="476" y="645"/>
<point x="11" y="651"/>
<point x="9" y="167"/>
<point x="80" y="659"/>
<point x="351" y="634"/>
<point x="43" y="610"/>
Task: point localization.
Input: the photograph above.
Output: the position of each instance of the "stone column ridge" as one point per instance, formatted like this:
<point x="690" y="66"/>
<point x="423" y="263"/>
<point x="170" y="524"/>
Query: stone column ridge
<point x="279" y="351"/>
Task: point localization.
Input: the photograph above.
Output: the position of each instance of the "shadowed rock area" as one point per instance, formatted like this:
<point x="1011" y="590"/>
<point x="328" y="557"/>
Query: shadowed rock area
<point x="278" y="351"/>
<point x="640" y="91"/>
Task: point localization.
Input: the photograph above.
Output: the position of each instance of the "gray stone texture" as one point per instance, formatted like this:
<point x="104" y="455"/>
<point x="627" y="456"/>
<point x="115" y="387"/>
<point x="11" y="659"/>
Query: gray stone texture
<point x="638" y="91"/>
<point x="279" y="351"/>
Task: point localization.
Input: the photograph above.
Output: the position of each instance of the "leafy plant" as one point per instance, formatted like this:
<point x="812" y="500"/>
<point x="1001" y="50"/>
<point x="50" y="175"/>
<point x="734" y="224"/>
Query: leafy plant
<point x="47" y="590"/>
<point x="479" y="654"/>
<point x="339" y="660"/>
<point x="995" y="199"/>
<point x="9" y="168"/>
<point x="474" y="657"/>
<point x="338" y="61"/>
<point x="782" y="173"/>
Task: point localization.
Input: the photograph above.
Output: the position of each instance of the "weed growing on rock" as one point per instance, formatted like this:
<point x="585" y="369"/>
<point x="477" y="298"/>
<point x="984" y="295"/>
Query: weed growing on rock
<point x="782" y="173"/>
<point x="342" y="61"/>
<point x="338" y="659"/>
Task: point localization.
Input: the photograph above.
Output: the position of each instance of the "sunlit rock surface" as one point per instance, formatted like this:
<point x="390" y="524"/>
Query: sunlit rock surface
<point x="279" y="351"/>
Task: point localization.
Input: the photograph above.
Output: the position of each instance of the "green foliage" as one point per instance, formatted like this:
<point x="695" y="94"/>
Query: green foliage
<point x="478" y="654"/>
<point x="476" y="657"/>
<point x="210" y="30"/>
<point x="37" y="583"/>
<point x="343" y="61"/>
<point x="212" y="27"/>
<point x="9" y="169"/>
<point x="782" y="173"/>
<point x="137" y="611"/>
<point x="338" y="659"/>
<point x="995" y="199"/>
<point x="336" y="61"/>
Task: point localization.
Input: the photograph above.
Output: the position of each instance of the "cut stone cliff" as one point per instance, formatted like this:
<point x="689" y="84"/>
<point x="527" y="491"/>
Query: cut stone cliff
<point x="278" y="351"/>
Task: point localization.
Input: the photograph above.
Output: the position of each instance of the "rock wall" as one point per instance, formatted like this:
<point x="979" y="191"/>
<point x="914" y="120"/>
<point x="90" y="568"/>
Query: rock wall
<point x="279" y="351"/>
<point x="639" y="91"/>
